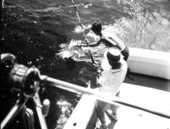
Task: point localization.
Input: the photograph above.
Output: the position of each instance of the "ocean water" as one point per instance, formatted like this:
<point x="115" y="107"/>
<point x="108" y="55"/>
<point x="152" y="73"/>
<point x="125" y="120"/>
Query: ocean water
<point x="35" y="30"/>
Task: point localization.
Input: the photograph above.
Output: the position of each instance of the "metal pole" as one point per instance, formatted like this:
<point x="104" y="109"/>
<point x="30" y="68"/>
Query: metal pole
<point x="14" y="112"/>
<point x="38" y="107"/>
<point x="99" y="96"/>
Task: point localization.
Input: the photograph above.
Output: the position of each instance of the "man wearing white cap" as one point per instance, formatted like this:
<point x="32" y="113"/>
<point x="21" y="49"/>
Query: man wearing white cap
<point x="113" y="75"/>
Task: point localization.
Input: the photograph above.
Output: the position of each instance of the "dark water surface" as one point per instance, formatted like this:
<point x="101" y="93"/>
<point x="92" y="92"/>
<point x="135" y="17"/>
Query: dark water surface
<point x="33" y="30"/>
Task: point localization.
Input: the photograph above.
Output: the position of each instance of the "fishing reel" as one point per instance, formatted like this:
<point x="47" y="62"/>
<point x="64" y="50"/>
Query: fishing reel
<point x="19" y="77"/>
<point x="25" y="82"/>
<point x="23" y="79"/>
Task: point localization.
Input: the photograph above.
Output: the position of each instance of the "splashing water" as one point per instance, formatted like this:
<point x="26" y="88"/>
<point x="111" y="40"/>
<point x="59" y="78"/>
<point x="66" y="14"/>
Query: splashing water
<point x="142" y="28"/>
<point x="66" y="109"/>
<point x="149" y="30"/>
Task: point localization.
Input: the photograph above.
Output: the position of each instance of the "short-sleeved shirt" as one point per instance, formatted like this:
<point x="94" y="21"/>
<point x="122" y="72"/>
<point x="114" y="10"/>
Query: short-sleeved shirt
<point x="91" y="37"/>
<point x="111" y="79"/>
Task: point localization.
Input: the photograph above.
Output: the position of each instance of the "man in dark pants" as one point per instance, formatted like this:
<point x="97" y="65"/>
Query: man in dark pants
<point x="108" y="39"/>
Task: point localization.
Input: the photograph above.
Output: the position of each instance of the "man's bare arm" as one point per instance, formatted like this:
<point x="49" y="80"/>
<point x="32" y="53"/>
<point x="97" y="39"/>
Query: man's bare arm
<point x="93" y="44"/>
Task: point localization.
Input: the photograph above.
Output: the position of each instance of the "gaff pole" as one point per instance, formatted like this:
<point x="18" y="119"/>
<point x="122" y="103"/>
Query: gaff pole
<point x="78" y="17"/>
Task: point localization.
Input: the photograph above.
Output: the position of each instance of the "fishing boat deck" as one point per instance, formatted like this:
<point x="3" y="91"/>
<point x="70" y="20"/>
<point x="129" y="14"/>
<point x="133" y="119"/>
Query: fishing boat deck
<point x="140" y="89"/>
<point x="133" y="118"/>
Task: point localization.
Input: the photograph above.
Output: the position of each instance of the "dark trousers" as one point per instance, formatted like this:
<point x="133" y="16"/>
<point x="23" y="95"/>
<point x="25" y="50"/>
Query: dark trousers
<point x="125" y="53"/>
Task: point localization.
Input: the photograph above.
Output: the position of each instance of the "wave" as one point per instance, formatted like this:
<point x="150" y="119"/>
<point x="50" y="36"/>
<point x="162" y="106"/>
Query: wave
<point x="142" y="28"/>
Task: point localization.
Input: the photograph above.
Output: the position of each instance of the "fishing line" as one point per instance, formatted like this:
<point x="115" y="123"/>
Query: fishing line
<point x="78" y="17"/>
<point x="2" y="4"/>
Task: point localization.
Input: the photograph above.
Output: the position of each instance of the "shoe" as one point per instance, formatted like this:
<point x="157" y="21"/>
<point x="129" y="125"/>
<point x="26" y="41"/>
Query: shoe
<point x="129" y="74"/>
<point x="103" y="126"/>
<point x="113" y="116"/>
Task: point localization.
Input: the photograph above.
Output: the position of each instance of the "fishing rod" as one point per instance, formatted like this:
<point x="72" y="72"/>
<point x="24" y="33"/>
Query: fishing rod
<point x="78" y="17"/>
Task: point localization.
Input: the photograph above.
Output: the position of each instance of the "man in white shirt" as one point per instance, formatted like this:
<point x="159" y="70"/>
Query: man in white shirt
<point x="113" y="75"/>
<point x="110" y="40"/>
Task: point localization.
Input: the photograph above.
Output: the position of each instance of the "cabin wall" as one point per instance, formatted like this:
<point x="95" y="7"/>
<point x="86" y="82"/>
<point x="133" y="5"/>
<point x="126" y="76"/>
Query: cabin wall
<point x="149" y="62"/>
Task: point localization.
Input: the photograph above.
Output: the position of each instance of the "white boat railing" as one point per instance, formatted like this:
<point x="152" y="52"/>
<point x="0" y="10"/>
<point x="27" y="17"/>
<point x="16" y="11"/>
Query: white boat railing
<point x="100" y="96"/>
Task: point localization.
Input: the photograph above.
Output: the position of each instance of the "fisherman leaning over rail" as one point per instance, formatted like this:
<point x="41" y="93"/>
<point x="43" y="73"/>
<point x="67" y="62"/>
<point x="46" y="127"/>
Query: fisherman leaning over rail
<point x="108" y="39"/>
<point x="113" y="75"/>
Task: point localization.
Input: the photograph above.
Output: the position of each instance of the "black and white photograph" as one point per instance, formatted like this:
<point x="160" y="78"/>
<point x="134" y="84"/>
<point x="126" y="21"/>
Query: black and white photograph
<point x="85" y="64"/>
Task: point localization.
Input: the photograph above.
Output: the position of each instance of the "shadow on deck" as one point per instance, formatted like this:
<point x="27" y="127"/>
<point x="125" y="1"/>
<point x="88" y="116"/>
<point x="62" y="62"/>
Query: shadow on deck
<point x="148" y="81"/>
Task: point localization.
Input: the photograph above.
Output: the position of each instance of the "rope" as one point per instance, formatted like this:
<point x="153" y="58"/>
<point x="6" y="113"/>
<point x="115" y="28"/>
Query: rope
<point x="2" y="4"/>
<point x="78" y="17"/>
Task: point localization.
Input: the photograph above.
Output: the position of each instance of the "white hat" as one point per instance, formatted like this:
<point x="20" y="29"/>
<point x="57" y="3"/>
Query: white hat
<point x="113" y="55"/>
